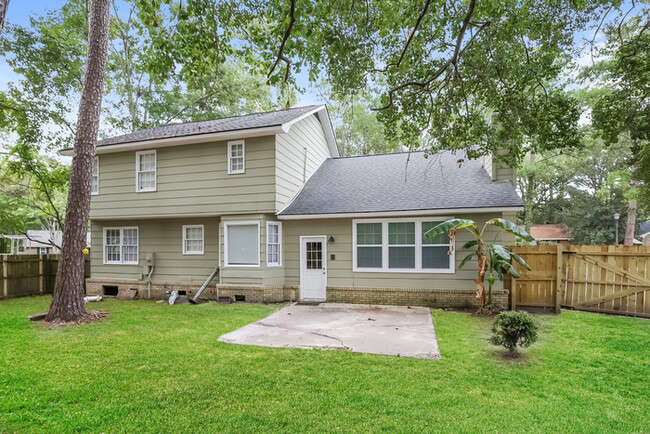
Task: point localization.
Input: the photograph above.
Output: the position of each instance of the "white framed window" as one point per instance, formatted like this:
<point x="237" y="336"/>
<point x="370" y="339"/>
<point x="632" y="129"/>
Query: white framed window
<point x="94" y="186"/>
<point x="236" y="160"/>
<point x="121" y="245"/>
<point x="192" y="239"/>
<point x="242" y="244"/>
<point x="273" y="244"/>
<point x="42" y="250"/>
<point x="399" y="245"/>
<point x="145" y="171"/>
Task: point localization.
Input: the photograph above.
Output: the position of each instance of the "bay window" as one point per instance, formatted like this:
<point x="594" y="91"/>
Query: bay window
<point x="242" y="244"/>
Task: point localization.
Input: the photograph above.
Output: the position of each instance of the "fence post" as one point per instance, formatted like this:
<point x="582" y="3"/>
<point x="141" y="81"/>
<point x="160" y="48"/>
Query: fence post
<point x="558" y="279"/>
<point x="5" y="276"/>
<point x="41" y="277"/>
<point x="513" y="293"/>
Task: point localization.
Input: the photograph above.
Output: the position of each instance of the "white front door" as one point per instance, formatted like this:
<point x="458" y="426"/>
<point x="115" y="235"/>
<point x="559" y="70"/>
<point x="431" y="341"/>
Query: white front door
<point x="313" y="268"/>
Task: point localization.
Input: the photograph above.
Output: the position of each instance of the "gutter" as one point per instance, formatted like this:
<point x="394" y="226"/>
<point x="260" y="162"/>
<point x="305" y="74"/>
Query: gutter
<point x="371" y="214"/>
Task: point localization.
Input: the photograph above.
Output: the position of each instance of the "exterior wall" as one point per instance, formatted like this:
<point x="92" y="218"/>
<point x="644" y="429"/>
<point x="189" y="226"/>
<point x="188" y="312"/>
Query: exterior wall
<point x="299" y="154"/>
<point x="275" y="284"/>
<point x="191" y="180"/>
<point x="164" y="238"/>
<point x="345" y="285"/>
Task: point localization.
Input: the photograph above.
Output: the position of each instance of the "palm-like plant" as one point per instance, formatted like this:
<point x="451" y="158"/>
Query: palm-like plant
<point x="493" y="259"/>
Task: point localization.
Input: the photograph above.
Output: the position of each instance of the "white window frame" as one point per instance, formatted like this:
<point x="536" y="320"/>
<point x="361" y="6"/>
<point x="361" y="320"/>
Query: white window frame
<point x="225" y="243"/>
<point x="418" y="247"/>
<point x="137" y="171"/>
<point x="95" y="169"/>
<point x="185" y="251"/>
<point x="279" y="243"/>
<point x="41" y="249"/>
<point x="243" y="156"/>
<point x="121" y="261"/>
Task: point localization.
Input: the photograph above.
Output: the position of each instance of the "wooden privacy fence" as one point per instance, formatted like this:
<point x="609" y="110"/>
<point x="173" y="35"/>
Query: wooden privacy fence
<point x="22" y="275"/>
<point x="608" y="279"/>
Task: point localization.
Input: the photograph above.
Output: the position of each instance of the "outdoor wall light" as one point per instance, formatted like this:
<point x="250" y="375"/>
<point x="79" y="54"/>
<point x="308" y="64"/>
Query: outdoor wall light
<point x="331" y="240"/>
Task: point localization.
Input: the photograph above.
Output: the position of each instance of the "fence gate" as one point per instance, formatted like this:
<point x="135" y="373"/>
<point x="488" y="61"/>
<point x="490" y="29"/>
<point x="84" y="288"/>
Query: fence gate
<point x="608" y="279"/>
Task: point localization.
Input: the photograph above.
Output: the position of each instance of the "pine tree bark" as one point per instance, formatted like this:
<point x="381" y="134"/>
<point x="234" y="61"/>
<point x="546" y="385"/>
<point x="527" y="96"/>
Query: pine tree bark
<point x="67" y="300"/>
<point x="4" y="5"/>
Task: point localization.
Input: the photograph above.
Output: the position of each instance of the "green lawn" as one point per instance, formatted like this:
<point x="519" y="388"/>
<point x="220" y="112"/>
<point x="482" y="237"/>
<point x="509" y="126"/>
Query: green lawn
<point x="158" y="368"/>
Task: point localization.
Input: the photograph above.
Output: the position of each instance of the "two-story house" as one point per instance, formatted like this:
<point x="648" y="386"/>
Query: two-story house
<point x="267" y="199"/>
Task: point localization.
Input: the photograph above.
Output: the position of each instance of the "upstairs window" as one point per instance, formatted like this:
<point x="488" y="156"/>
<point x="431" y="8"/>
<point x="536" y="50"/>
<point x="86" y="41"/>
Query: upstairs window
<point x="121" y="245"/>
<point x="193" y="240"/>
<point x="94" y="186"/>
<point x="145" y="171"/>
<point x="273" y="243"/>
<point x="236" y="157"/>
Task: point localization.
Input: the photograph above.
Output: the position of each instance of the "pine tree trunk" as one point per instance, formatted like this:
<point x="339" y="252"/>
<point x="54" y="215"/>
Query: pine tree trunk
<point x="4" y="5"/>
<point x="67" y="300"/>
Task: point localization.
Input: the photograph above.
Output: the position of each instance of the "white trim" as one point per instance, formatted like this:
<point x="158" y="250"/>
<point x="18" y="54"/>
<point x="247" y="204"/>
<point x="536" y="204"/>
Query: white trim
<point x="183" y="140"/>
<point x="440" y="213"/>
<point x="137" y="170"/>
<point x="302" y="263"/>
<point x="243" y="157"/>
<point x="385" y="248"/>
<point x="95" y="166"/>
<point x="279" y="225"/>
<point x="185" y="227"/>
<point x="121" y="262"/>
<point x="225" y="243"/>
<point x="287" y="125"/>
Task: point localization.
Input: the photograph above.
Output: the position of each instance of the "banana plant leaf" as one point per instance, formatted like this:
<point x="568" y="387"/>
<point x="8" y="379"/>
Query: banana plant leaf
<point x="470" y="244"/>
<point x="501" y="251"/>
<point x="511" y="228"/>
<point x="519" y="259"/>
<point x="448" y="225"/>
<point x="465" y="260"/>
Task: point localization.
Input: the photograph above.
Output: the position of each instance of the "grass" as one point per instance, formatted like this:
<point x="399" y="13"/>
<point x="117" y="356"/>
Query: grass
<point x="157" y="368"/>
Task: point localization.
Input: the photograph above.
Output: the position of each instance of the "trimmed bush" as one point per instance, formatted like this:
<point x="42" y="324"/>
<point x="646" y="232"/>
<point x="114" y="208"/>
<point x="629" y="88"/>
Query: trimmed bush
<point x="511" y="329"/>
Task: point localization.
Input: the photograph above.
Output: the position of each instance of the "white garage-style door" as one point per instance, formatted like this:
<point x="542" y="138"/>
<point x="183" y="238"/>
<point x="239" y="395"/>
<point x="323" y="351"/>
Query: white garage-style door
<point x="313" y="268"/>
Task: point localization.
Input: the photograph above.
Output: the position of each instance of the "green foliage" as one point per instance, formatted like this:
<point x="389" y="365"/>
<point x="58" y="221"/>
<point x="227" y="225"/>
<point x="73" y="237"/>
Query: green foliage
<point x="582" y="190"/>
<point x="511" y="228"/>
<point x="511" y="329"/>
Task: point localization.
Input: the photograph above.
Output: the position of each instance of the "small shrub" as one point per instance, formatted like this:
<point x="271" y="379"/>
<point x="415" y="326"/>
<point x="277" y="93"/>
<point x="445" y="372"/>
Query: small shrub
<point x="511" y="329"/>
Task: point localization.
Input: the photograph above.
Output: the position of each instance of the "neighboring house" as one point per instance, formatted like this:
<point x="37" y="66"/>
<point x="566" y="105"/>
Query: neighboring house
<point x="644" y="233"/>
<point x="551" y="234"/>
<point x="267" y="199"/>
<point x="35" y="242"/>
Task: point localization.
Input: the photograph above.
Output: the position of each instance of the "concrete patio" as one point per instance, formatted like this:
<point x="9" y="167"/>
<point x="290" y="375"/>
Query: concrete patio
<point x="389" y="330"/>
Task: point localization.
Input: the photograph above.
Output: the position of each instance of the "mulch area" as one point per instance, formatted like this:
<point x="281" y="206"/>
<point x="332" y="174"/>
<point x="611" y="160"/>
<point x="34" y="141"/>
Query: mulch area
<point x="91" y="316"/>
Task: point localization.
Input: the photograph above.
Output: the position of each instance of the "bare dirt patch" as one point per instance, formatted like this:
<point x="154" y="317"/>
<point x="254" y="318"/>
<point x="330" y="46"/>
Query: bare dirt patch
<point x="91" y="316"/>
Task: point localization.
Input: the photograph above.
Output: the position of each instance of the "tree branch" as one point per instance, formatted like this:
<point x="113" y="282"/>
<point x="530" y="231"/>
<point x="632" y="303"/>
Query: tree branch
<point x="287" y="33"/>
<point x="415" y="29"/>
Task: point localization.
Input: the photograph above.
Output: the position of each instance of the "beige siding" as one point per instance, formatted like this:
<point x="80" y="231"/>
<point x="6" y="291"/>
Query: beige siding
<point x="339" y="270"/>
<point x="192" y="180"/>
<point x="298" y="154"/>
<point x="163" y="237"/>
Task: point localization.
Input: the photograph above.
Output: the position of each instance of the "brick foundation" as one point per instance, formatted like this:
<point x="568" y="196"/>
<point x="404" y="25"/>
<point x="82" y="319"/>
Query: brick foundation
<point x="440" y="298"/>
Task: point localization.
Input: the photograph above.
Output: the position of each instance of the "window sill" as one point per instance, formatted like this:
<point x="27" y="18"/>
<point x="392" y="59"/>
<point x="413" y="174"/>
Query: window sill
<point x="242" y="266"/>
<point x="403" y="270"/>
<point x="193" y="253"/>
<point x="146" y="191"/>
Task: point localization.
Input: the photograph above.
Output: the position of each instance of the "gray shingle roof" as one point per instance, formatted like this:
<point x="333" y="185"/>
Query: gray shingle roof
<point x="381" y="183"/>
<point x="256" y="120"/>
